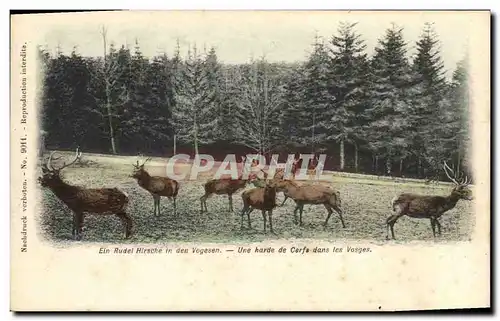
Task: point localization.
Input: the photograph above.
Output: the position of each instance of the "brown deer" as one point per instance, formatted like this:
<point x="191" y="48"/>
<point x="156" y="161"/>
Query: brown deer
<point x="311" y="194"/>
<point x="95" y="201"/>
<point x="262" y="198"/>
<point x="431" y="207"/>
<point x="157" y="186"/>
<point x="224" y="186"/>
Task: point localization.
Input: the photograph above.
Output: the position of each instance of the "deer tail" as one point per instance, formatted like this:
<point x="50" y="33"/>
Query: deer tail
<point x="394" y="203"/>
<point x="122" y="197"/>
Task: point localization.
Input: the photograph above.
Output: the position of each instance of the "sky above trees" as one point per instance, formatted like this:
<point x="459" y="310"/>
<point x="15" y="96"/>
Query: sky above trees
<point x="238" y="36"/>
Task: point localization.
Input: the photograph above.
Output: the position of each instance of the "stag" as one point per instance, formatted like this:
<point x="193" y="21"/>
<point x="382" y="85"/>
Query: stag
<point x="157" y="186"/>
<point x="311" y="194"/>
<point x="431" y="207"/>
<point x="311" y="171"/>
<point x="95" y="201"/>
<point x="262" y="198"/>
<point x="223" y="186"/>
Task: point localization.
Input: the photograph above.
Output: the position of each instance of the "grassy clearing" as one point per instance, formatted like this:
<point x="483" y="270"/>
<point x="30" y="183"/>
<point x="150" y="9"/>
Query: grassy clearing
<point x="365" y="202"/>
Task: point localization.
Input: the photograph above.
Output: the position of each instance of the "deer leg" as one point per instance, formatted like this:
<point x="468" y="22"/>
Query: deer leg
<point x="127" y="223"/>
<point x="154" y="204"/>
<point x="339" y="210"/>
<point x="158" y="204"/>
<point x="433" y="226"/>
<point x="77" y="223"/>
<point x="264" y="218"/>
<point x="202" y="199"/>
<point x="248" y="211"/>
<point x="295" y="218"/>
<point x="391" y="220"/>
<point x="175" y="206"/>
<point x="230" y="196"/>
<point x="286" y="197"/>
<point x="301" y="210"/>
<point x="243" y="211"/>
<point x="74" y="226"/>
<point x="80" y="224"/>
<point x="270" y="214"/>
<point x="330" y="211"/>
<point x="438" y="226"/>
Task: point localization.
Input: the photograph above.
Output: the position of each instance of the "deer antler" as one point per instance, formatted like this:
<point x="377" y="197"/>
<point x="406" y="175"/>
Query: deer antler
<point x="49" y="161"/>
<point x="446" y="169"/>
<point x="49" y="165"/>
<point x="147" y="160"/>
<point x="463" y="181"/>
<point x="77" y="157"/>
<point x="137" y="165"/>
<point x="466" y="181"/>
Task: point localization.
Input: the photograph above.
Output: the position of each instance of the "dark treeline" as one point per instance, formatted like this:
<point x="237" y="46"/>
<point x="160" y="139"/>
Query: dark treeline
<point x="386" y="114"/>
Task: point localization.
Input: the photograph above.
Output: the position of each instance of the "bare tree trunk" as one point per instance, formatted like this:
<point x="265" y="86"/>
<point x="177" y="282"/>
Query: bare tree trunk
<point x="175" y="144"/>
<point x="195" y="137"/>
<point x="110" y="121"/>
<point x="356" y="157"/>
<point x="312" y="134"/>
<point x="419" y="167"/>
<point x="108" y="94"/>
<point x="401" y="167"/>
<point x="388" y="166"/>
<point x="342" y="160"/>
<point x="376" y="164"/>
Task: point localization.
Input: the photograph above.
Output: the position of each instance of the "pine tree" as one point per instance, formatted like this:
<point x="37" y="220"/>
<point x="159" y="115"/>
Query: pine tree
<point x="294" y="114"/>
<point x="387" y="133"/>
<point x="193" y="118"/>
<point x="215" y="85"/>
<point x="349" y="70"/>
<point x="318" y="101"/>
<point x="459" y="110"/>
<point x="428" y="65"/>
<point x="230" y="88"/>
<point x="430" y="101"/>
<point x="160" y="100"/>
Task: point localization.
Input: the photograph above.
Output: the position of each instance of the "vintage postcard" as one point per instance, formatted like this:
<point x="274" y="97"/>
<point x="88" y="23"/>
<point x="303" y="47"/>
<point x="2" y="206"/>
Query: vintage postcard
<point x="250" y="161"/>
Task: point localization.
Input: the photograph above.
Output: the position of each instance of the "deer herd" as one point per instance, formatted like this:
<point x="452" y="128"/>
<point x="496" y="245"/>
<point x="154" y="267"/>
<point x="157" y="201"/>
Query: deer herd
<point x="114" y="201"/>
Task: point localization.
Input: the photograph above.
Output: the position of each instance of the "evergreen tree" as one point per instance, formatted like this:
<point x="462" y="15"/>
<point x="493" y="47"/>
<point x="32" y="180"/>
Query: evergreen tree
<point x="459" y="104"/>
<point x="428" y="65"/>
<point x="387" y="133"/>
<point x="193" y="118"/>
<point x="230" y="87"/>
<point x="295" y="117"/>
<point x="215" y="83"/>
<point x="349" y="71"/>
<point x="430" y="101"/>
<point x="318" y="100"/>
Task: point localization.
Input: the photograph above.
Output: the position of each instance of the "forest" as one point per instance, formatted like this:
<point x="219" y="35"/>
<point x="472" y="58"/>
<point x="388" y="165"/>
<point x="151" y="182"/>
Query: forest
<point x="387" y="113"/>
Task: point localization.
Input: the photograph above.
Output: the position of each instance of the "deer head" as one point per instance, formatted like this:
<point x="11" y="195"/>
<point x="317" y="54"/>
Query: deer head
<point x="283" y="185"/>
<point x="50" y="175"/>
<point x="139" y="168"/>
<point x="265" y="182"/>
<point x="460" y="189"/>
